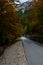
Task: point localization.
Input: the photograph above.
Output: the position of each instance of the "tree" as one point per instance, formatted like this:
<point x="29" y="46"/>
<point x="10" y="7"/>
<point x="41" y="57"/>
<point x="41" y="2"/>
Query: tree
<point x="37" y="21"/>
<point x="10" y="27"/>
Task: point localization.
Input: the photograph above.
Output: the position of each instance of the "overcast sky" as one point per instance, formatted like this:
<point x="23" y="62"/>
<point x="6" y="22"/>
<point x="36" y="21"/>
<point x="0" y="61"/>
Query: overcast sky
<point x="22" y="1"/>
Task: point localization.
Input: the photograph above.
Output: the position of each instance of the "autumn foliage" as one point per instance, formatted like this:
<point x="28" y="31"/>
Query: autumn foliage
<point x="37" y="20"/>
<point x="10" y="27"/>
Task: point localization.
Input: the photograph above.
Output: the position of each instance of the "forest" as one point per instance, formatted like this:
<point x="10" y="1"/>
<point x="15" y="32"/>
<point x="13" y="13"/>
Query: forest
<point x="16" y="24"/>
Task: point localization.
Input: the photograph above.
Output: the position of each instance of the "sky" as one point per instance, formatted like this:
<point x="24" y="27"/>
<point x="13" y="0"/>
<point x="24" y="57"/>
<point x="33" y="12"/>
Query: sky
<point x="22" y="1"/>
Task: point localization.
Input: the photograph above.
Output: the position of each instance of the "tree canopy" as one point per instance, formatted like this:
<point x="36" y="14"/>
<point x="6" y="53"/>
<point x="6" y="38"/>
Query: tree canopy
<point x="10" y="27"/>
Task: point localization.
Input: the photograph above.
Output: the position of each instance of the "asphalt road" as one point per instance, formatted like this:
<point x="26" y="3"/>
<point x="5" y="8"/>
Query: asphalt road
<point x="33" y="51"/>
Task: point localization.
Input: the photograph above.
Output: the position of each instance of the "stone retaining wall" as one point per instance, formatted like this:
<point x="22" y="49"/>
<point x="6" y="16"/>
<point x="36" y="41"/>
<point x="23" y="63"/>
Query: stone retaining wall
<point x="14" y="55"/>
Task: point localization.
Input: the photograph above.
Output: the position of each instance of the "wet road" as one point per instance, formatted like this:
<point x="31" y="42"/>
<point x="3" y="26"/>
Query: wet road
<point x="33" y="51"/>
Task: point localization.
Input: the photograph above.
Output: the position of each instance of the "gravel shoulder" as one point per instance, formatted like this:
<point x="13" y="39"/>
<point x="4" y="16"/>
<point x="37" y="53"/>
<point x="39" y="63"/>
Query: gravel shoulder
<point x="14" y="55"/>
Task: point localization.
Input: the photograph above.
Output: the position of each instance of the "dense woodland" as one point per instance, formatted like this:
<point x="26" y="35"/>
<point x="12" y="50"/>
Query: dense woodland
<point x="37" y="19"/>
<point x="32" y="21"/>
<point x="15" y="24"/>
<point x="10" y="27"/>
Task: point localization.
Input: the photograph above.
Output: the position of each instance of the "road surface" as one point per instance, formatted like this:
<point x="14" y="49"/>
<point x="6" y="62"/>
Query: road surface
<point x="33" y="51"/>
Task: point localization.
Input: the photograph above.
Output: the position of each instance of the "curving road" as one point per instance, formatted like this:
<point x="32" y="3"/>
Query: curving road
<point x="33" y="51"/>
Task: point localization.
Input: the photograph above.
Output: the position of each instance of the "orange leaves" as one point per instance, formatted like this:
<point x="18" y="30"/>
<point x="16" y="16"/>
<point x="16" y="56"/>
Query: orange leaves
<point x="10" y="20"/>
<point x="37" y="21"/>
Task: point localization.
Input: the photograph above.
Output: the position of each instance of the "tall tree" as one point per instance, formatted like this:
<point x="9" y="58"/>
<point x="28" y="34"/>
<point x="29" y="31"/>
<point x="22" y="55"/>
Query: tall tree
<point x="37" y="21"/>
<point x="10" y="27"/>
